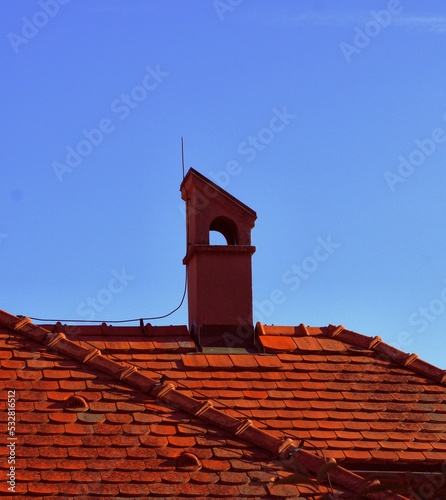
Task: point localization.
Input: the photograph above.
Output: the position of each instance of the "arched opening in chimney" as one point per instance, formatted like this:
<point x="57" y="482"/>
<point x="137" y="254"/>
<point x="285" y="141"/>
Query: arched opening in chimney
<point x="225" y="227"/>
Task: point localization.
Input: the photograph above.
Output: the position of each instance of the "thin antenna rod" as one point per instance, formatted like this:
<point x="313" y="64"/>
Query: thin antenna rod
<point x="182" y="154"/>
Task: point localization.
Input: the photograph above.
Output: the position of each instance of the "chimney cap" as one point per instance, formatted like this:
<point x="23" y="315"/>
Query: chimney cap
<point x="211" y="187"/>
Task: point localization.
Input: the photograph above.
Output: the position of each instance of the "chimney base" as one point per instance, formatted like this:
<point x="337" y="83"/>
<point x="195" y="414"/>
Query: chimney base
<point x="227" y="337"/>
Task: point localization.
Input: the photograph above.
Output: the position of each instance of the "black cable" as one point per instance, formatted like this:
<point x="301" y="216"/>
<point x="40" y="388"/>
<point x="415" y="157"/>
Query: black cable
<point x="46" y="320"/>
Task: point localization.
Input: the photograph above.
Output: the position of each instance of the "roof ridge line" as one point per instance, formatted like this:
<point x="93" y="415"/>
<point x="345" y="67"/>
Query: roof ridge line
<point x="166" y="392"/>
<point x="389" y="352"/>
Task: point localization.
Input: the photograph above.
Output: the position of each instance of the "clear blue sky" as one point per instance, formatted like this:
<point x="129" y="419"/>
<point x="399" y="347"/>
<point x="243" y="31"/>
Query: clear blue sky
<point x="327" y="118"/>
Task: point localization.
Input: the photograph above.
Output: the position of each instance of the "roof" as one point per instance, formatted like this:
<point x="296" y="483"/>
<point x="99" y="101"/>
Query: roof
<point x="311" y="394"/>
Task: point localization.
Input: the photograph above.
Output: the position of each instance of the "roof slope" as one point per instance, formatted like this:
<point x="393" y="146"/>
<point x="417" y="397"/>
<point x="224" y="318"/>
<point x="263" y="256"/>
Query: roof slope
<point x="359" y="398"/>
<point x="241" y="415"/>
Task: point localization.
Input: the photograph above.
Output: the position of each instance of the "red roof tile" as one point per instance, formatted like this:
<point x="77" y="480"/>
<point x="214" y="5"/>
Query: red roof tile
<point x="355" y="405"/>
<point x="277" y="344"/>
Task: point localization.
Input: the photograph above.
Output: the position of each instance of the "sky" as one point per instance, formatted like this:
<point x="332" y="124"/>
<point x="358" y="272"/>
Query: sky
<point x="326" y="118"/>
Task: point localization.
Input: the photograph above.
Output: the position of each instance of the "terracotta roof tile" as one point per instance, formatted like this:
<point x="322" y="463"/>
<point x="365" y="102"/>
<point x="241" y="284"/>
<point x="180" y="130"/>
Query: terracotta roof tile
<point x="268" y="362"/>
<point x="283" y="491"/>
<point x="340" y="445"/>
<point x="56" y="374"/>
<point x="146" y="418"/>
<point x="330" y="395"/>
<point x="74" y="489"/>
<point x="419" y="446"/>
<point x="350" y="435"/>
<point x="410" y="455"/>
<point x="440" y="446"/>
<point x="323" y="405"/>
<point x="325" y="435"/>
<point x="92" y="441"/>
<point x="222" y="375"/>
<point x="55" y="476"/>
<point x="163" y="429"/>
<point x="27" y="375"/>
<point x="277" y="344"/>
<point x="393" y="445"/>
<point x="434" y="456"/>
<point x="356" y="426"/>
<point x="79" y="452"/>
<point x="256" y="394"/>
<point x="43" y="489"/>
<point x="72" y="385"/>
<point x="257" y="376"/>
<point x="224" y="491"/>
<point x="265" y="388"/>
<point x="219" y="361"/>
<point x="195" y="361"/>
<point x="25" y="452"/>
<point x="24" y="355"/>
<point x="244" y="361"/>
<point x="22" y="406"/>
<point x="366" y="445"/>
<point x="359" y="455"/>
<point x="40" y="464"/>
<point x="308" y="344"/>
<point x="384" y="455"/>
<point x="45" y="440"/>
<point x="305" y="395"/>
<point x="234" y="477"/>
<point x="13" y="364"/>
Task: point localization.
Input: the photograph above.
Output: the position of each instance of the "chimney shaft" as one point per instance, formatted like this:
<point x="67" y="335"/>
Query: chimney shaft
<point x="219" y="276"/>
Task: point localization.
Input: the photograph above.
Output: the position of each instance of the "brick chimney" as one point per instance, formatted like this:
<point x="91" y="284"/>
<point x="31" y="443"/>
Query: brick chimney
<point x="219" y="276"/>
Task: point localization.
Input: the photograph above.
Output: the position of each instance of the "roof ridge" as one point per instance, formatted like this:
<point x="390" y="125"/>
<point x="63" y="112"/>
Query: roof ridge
<point x="165" y="391"/>
<point x="388" y="352"/>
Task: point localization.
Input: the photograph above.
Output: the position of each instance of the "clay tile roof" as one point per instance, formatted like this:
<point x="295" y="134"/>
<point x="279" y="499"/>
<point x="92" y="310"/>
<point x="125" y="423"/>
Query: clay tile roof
<point x="163" y="419"/>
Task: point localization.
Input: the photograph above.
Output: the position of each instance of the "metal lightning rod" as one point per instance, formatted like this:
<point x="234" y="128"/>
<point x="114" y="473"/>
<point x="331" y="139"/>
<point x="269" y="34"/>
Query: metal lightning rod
<point x="182" y="154"/>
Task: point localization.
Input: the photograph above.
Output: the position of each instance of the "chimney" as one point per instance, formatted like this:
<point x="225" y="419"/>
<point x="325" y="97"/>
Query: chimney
<point x="219" y="276"/>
